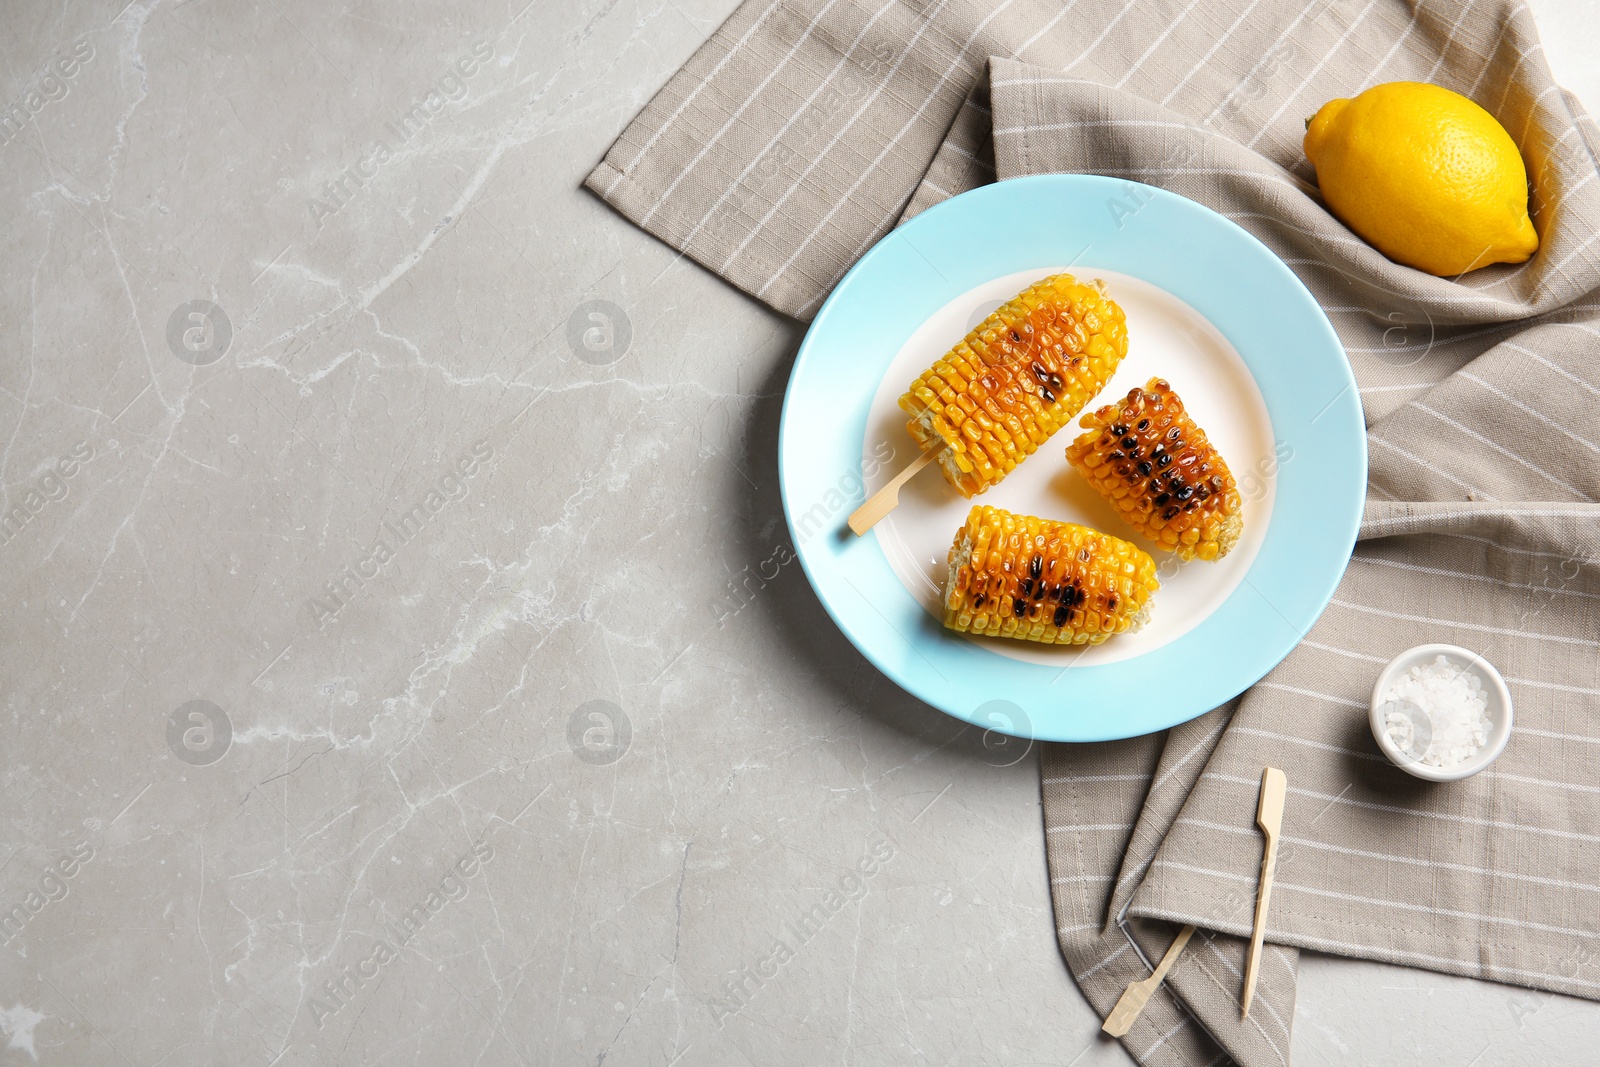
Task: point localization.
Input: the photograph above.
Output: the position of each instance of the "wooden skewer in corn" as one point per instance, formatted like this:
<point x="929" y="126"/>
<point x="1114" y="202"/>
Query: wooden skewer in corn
<point x="887" y="499"/>
<point x="1020" y="375"/>
<point x="1269" y="816"/>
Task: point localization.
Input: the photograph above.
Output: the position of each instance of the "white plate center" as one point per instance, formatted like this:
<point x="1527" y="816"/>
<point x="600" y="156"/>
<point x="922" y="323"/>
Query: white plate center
<point x="1166" y="338"/>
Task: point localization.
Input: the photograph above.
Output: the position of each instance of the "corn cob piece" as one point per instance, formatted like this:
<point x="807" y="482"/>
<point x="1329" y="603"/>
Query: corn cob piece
<point x="1017" y="378"/>
<point x="1147" y="456"/>
<point x="1038" y="580"/>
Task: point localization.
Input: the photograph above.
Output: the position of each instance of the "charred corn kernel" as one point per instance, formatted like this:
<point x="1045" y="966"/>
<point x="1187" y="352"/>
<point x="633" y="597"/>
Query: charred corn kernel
<point x="1146" y="455"/>
<point x="1017" y="378"/>
<point x="1038" y="580"/>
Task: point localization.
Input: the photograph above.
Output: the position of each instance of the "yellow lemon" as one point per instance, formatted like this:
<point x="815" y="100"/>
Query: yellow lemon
<point x="1424" y="175"/>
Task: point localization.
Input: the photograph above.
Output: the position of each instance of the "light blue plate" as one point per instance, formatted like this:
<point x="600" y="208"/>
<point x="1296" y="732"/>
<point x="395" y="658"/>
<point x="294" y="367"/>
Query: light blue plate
<point x="1189" y="251"/>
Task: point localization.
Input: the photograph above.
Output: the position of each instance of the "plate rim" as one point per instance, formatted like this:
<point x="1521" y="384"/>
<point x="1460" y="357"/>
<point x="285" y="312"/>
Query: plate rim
<point x="994" y="197"/>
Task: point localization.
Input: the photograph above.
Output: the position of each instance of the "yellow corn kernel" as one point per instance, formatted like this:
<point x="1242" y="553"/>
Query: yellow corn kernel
<point x="1147" y="456"/>
<point x="1038" y="580"/>
<point x="1017" y="378"/>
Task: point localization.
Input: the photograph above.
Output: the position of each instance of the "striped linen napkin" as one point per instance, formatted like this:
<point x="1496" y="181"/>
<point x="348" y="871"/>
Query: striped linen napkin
<point x="801" y="134"/>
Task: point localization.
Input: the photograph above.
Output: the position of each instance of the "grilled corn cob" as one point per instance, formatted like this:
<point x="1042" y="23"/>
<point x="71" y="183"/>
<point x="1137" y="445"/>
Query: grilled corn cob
<point x="1017" y="378"/>
<point x="1147" y="456"/>
<point x="1037" y="580"/>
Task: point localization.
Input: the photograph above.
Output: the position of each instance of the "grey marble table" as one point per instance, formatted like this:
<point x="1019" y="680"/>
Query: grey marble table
<point x="403" y="660"/>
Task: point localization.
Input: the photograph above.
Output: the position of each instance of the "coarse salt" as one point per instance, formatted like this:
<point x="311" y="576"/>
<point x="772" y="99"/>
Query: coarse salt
<point x="1450" y="720"/>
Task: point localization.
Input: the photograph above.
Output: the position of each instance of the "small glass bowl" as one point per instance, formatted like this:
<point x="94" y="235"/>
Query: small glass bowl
<point x="1495" y="693"/>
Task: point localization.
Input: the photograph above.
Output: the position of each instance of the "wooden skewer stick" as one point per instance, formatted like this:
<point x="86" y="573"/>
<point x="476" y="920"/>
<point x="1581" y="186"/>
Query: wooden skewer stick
<point x="1269" y="816"/>
<point x="1138" y="994"/>
<point x="886" y="499"/>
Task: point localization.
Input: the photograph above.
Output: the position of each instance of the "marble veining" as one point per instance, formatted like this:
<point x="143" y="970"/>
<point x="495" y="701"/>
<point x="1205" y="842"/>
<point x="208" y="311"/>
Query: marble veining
<point x="405" y="660"/>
